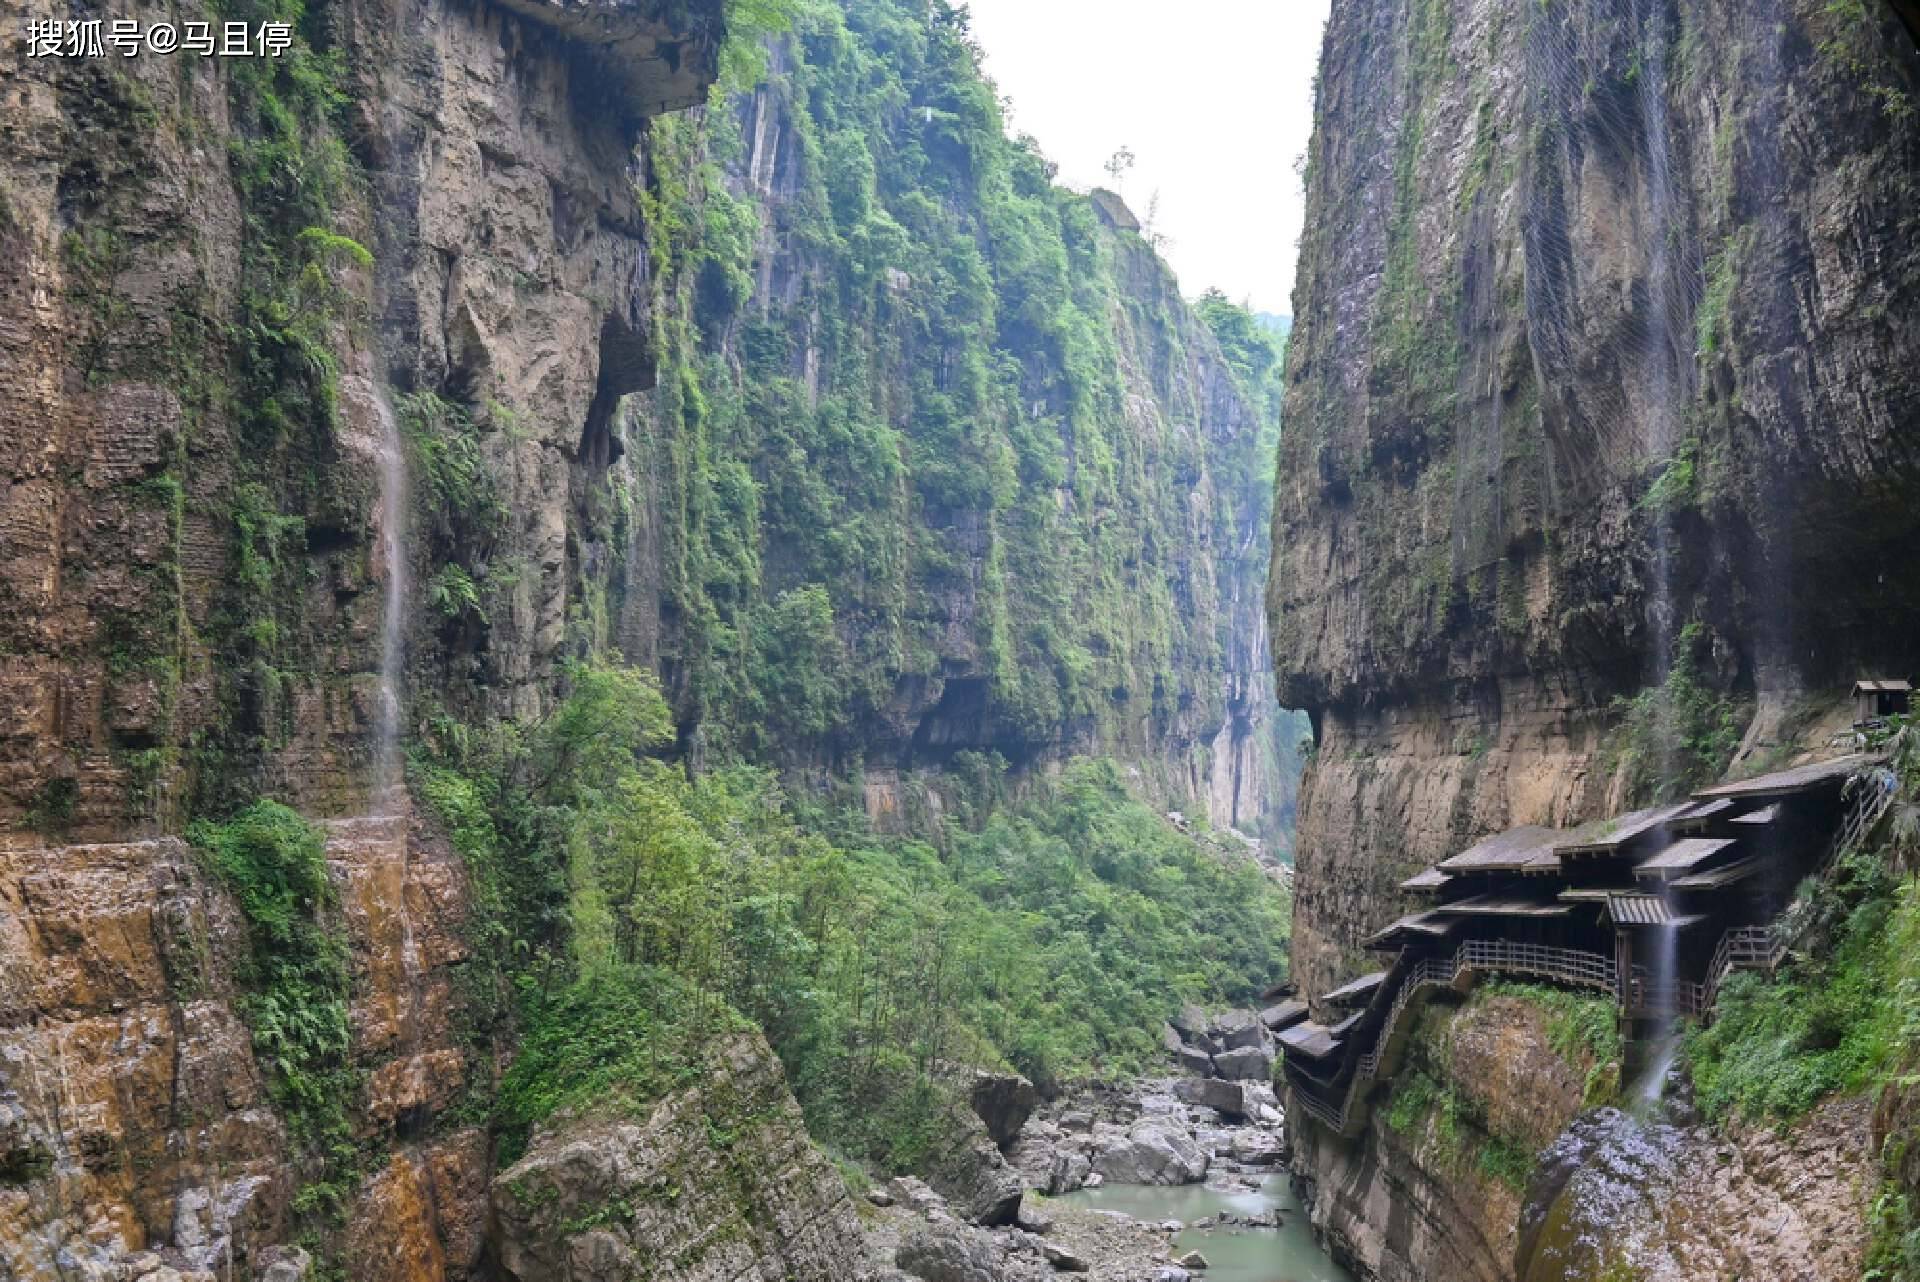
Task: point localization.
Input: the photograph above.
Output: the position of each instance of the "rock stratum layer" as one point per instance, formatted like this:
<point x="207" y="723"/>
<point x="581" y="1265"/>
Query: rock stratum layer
<point x="615" y="1198"/>
<point x="1605" y="327"/>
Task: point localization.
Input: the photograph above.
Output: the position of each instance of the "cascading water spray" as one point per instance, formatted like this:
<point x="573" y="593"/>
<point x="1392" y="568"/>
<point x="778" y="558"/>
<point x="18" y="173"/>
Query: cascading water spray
<point x="1644" y="1095"/>
<point x="392" y="515"/>
<point x="1662" y="362"/>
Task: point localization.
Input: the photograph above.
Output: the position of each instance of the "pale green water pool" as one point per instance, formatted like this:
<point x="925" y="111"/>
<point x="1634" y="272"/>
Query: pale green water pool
<point x="1285" y="1254"/>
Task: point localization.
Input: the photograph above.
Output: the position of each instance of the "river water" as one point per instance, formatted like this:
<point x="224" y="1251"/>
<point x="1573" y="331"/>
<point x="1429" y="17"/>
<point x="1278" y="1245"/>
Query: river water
<point x="1285" y="1254"/>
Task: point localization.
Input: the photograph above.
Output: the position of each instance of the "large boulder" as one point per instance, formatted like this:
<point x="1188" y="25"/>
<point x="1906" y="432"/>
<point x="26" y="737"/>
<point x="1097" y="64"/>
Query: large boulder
<point x="1003" y="1102"/>
<point x="1190" y="1022"/>
<point x="1256" y="1148"/>
<point x="608" y="1197"/>
<point x="955" y="1253"/>
<point x="1151" y="1151"/>
<point x="1237" y="1029"/>
<point x="1069" y="1171"/>
<point x="1195" y="1060"/>
<point x="1247" y="1064"/>
<point x="1229" y="1099"/>
<point x="974" y="1177"/>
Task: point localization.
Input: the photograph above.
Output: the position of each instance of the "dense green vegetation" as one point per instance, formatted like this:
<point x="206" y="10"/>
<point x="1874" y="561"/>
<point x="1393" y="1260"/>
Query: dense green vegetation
<point x="1680" y="734"/>
<point x="1431" y="1105"/>
<point x="1845" y="1008"/>
<point x="941" y="421"/>
<point x="1833" y="1018"/>
<point x="632" y="910"/>
<point x="1841" y="1016"/>
<point x="1433" y="1111"/>
<point x="294" y="977"/>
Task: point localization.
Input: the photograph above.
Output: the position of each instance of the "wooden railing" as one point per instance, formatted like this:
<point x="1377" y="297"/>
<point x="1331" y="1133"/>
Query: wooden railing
<point x="1879" y="787"/>
<point x="1481" y="956"/>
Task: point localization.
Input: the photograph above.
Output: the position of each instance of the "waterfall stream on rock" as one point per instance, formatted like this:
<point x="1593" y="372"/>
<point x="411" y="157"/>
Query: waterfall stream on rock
<point x="391" y="518"/>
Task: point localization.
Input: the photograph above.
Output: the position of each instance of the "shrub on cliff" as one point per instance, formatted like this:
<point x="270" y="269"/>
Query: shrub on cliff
<point x="1679" y="734"/>
<point x="294" y="978"/>
<point x="1834" y="1017"/>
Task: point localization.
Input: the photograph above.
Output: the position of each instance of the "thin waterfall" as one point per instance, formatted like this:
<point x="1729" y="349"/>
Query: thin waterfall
<point x="1644" y="1095"/>
<point x="392" y="516"/>
<point x="1660" y="410"/>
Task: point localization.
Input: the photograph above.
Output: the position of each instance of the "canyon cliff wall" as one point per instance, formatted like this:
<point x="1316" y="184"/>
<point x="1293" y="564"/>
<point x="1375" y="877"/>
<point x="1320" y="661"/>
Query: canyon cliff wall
<point x="832" y="410"/>
<point x="1604" y="325"/>
<point x="195" y="352"/>
<point x="1603" y="363"/>
<point x="1008" y="497"/>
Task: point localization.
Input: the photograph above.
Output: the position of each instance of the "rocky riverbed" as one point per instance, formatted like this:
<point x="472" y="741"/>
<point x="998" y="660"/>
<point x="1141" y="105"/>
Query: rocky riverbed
<point x="1153" y="1133"/>
<point x="1226" y="1133"/>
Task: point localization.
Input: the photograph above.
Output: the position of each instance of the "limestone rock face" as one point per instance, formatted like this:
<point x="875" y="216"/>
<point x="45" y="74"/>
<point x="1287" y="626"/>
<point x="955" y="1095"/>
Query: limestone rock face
<point x="1550" y="251"/>
<point x="134" y="1127"/>
<point x="975" y="1177"/>
<point x="1239" y="1030"/>
<point x="1687" y="1203"/>
<point x="1393" y="1202"/>
<point x="953" y="1253"/>
<point x="1224" y="1097"/>
<point x="612" y="1199"/>
<point x="131" y="1110"/>
<point x="1605" y="322"/>
<point x="1247" y="1064"/>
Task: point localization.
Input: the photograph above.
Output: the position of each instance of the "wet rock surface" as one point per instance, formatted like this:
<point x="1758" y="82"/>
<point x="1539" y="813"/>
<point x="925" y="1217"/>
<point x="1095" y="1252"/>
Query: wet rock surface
<point x="1670" y="1198"/>
<point x="1678" y="1202"/>
<point x="131" y="1107"/>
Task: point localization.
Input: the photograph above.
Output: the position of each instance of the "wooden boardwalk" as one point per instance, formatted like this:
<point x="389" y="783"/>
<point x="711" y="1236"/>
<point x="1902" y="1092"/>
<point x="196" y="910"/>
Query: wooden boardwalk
<point x="1759" y="948"/>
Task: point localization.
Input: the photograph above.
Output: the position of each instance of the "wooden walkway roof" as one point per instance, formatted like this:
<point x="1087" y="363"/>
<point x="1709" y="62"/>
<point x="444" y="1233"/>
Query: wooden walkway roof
<point x="1285" y="1015"/>
<point x="1593" y="894"/>
<point x="1312" y="1040"/>
<point x="1760" y="818"/>
<point x="1432" y="925"/>
<point x="1431" y="879"/>
<point x="1524" y="849"/>
<point x="1783" y="783"/>
<point x="1683" y="857"/>
<point x="1610" y="836"/>
<point x="1648" y="910"/>
<point x="1701" y="813"/>
<point x="1719" y="878"/>
<point x="1499" y="905"/>
<point x="1358" y="990"/>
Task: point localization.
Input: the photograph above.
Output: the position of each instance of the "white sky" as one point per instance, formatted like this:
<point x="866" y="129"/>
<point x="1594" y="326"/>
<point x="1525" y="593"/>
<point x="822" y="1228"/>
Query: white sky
<point x="1215" y="97"/>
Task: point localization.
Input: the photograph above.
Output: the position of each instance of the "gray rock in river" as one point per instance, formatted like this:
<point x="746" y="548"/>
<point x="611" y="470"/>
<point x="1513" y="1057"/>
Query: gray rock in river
<point x="1152" y="1151"/>
<point x="1229" y="1099"/>
<point x="974" y="1177"/>
<point x="1236" y="1029"/>
<point x="1195" y="1060"/>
